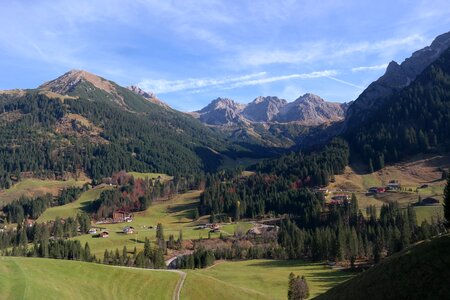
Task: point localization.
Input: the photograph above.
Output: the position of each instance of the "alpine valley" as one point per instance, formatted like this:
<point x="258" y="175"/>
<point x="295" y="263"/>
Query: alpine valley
<point x="106" y="192"/>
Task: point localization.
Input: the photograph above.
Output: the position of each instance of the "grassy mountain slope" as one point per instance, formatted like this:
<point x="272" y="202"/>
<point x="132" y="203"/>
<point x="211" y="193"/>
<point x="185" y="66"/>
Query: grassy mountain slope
<point x="81" y="122"/>
<point x="37" y="278"/>
<point x="420" y="272"/>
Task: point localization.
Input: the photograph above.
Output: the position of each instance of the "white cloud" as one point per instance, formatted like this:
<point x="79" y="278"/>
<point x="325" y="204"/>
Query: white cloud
<point x="325" y="50"/>
<point x="198" y="85"/>
<point x="369" y="68"/>
<point x="162" y="86"/>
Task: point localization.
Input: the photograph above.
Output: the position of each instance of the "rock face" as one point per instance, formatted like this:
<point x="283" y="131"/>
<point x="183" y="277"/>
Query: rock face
<point x="395" y="78"/>
<point x="263" y="109"/>
<point x="221" y="111"/>
<point x="147" y="95"/>
<point x="308" y="110"/>
<point x="69" y="81"/>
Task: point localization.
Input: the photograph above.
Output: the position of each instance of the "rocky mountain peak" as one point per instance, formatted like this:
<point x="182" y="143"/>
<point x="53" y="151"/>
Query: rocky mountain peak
<point x="263" y="109"/>
<point x="137" y="90"/>
<point x="67" y="82"/>
<point x="309" y="98"/>
<point x="396" y="77"/>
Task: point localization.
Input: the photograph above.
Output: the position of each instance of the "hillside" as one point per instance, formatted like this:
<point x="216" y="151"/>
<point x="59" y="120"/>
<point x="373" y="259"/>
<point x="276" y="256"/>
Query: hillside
<point x="38" y="278"/>
<point x="412" y="121"/>
<point x="396" y="78"/>
<point x="80" y="122"/>
<point x="419" y="272"/>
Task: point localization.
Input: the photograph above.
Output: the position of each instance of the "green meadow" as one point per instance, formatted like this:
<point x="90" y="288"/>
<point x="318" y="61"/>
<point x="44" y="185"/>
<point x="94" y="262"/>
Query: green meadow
<point x="39" y="278"/>
<point x="258" y="279"/>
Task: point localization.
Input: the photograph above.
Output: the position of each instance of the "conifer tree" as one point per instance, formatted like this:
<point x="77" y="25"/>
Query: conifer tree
<point x="447" y="202"/>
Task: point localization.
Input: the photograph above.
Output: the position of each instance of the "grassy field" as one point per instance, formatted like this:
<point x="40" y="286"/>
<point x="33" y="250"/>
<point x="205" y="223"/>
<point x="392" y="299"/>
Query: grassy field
<point x="175" y="215"/>
<point x="258" y="279"/>
<point x="72" y="209"/>
<point x="419" y="272"/>
<point x="33" y="187"/>
<point x="164" y="177"/>
<point x="38" y="278"/>
<point x="429" y="212"/>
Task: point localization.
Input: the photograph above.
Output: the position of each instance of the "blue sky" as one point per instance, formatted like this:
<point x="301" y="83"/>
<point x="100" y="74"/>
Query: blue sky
<point x="190" y="52"/>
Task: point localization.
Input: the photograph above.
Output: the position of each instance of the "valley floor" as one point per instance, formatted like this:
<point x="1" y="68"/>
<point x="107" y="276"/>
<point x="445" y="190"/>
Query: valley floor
<point x="38" y="278"/>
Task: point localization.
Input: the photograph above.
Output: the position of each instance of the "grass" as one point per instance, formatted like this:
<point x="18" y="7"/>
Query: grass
<point x="38" y="278"/>
<point x="72" y="209"/>
<point x="175" y="215"/>
<point x="264" y="279"/>
<point x="33" y="187"/>
<point x="429" y="212"/>
<point x="199" y="286"/>
<point x="153" y="176"/>
<point x="419" y="272"/>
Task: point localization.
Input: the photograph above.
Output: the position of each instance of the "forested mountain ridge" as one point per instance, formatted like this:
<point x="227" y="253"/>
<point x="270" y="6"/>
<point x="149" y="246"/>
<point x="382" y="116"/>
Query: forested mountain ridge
<point x="80" y="122"/>
<point x="412" y="120"/>
<point x="396" y="78"/>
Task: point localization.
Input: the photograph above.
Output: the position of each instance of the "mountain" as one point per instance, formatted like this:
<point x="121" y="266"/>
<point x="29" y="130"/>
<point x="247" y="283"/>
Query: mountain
<point x="412" y="120"/>
<point x="221" y="111"/>
<point x="149" y="96"/>
<point x="414" y="273"/>
<point x="311" y="110"/>
<point x="271" y="121"/>
<point x="308" y="110"/>
<point x="396" y="77"/>
<point x="263" y="109"/>
<point x="80" y="122"/>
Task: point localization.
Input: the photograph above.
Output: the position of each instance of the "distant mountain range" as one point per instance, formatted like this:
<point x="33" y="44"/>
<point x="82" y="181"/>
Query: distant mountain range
<point x="307" y="110"/>
<point x="271" y="121"/>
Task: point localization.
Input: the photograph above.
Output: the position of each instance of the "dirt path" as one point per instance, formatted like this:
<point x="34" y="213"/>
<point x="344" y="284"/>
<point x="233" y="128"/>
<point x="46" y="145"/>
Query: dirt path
<point x="177" y="291"/>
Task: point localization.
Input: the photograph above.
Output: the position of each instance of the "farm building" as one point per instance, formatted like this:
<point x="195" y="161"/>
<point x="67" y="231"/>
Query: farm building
<point x="104" y="234"/>
<point x="393" y="185"/>
<point x="122" y="216"/>
<point x="92" y="231"/>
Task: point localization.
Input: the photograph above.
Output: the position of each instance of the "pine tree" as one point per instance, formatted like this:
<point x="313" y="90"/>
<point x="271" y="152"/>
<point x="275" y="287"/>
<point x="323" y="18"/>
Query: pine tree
<point x="447" y="201"/>
<point x="87" y="252"/>
<point x="290" y="285"/>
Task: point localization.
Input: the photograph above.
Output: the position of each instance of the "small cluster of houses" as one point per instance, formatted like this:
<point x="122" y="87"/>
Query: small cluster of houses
<point x="392" y="185"/>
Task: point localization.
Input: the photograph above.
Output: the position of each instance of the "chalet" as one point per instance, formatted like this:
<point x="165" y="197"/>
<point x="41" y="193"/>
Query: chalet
<point x="104" y="234"/>
<point x="128" y="230"/>
<point x="121" y="216"/>
<point x="393" y="185"/>
<point x="92" y="231"/>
